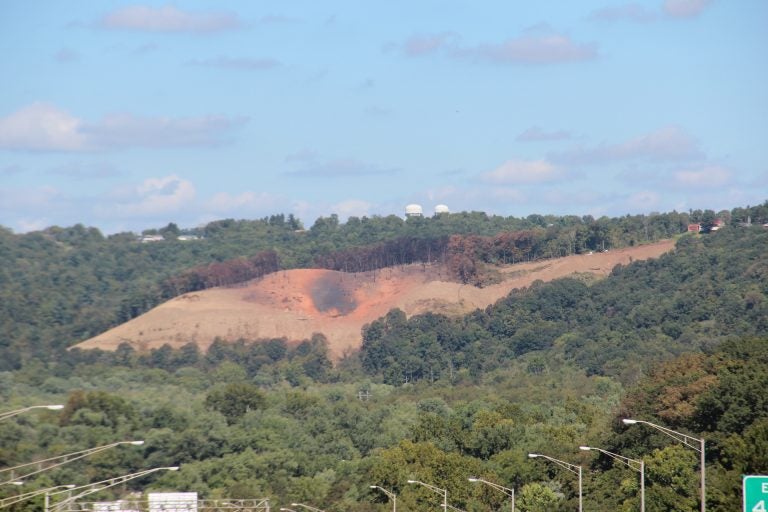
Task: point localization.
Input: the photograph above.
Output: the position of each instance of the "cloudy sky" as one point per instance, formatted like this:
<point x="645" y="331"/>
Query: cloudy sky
<point x="127" y="116"/>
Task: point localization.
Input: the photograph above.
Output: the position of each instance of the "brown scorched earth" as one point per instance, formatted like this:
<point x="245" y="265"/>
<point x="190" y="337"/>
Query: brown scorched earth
<point x="294" y="304"/>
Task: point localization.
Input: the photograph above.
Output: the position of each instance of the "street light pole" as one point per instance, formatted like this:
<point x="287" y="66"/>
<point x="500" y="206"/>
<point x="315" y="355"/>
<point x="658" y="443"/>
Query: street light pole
<point x="389" y="494"/>
<point x="97" y="486"/>
<point x="11" y="414"/>
<point x="689" y="441"/>
<point x="312" y="509"/>
<point x="640" y="466"/>
<point x="438" y="490"/>
<point x="60" y="460"/>
<point x="573" y="468"/>
<point x="505" y="490"/>
<point x="12" y="500"/>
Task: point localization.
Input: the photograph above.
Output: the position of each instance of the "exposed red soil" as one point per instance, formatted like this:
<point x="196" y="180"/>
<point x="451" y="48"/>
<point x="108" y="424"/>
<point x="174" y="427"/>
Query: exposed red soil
<point x="297" y="303"/>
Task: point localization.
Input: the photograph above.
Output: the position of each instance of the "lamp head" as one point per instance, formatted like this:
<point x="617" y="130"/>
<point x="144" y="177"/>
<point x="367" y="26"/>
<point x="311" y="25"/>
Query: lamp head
<point x="587" y="448"/>
<point x="411" y="481"/>
<point x="54" y="407"/>
<point x="136" y="443"/>
<point x="628" y="421"/>
<point x="294" y="504"/>
<point x="171" y="468"/>
<point x="473" y="479"/>
<point x="373" y="486"/>
<point x="533" y="455"/>
<point x="17" y="482"/>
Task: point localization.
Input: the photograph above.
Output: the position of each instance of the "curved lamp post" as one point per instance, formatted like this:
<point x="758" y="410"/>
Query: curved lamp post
<point x="11" y="414"/>
<point x="313" y="509"/>
<point x="573" y="468"/>
<point x="438" y="490"/>
<point x="505" y="490"/>
<point x="98" y="486"/>
<point x="12" y="500"/>
<point x="689" y="441"/>
<point x="637" y="465"/>
<point x="60" y="460"/>
<point x="389" y="494"/>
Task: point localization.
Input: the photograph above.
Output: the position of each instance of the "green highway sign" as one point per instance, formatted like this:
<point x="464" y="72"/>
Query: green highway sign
<point x="755" y="493"/>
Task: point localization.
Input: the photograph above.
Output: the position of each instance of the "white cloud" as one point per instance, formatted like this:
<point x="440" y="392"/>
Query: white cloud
<point x="536" y="134"/>
<point x="704" y="177"/>
<point x="32" y="209"/>
<point x="28" y="225"/>
<point x="669" y="9"/>
<point x="86" y="170"/>
<point x="643" y="200"/>
<point x="523" y="172"/>
<point x="630" y="12"/>
<point x="154" y="196"/>
<point x="669" y="143"/>
<point x="532" y="48"/>
<point x="510" y="194"/>
<point x="539" y="45"/>
<point x="168" y="19"/>
<point x="560" y="197"/>
<point x="685" y="8"/>
<point x="428" y="43"/>
<point x="245" y="202"/>
<point x="127" y="130"/>
<point x="444" y="193"/>
<point x="29" y="200"/>
<point x="44" y="127"/>
<point x="352" y="208"/>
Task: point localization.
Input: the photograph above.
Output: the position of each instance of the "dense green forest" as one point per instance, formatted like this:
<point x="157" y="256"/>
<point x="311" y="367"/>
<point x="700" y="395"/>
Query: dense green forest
<point x="679" y="341"/>
<point x="60" y="286"/>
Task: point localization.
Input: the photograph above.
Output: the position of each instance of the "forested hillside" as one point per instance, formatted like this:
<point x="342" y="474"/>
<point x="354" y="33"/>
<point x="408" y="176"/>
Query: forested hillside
<point x="679" y="341"/>
<point x="62" y="285"/>
<point x="710" y="289"/>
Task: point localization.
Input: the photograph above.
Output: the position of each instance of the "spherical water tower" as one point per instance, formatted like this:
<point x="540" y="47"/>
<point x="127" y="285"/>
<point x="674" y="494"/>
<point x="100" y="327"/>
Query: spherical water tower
<point x="414" y="210"/>
<point x="441" y="208"/>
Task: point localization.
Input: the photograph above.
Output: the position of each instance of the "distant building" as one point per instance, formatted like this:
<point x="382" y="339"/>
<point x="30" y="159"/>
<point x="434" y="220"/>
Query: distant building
<point x="151" y="238"/>
<point x="186" y="238"/>
<point x="717" y="224"/>
<point x="694" y="228"/>
<point x="414" y="210"/>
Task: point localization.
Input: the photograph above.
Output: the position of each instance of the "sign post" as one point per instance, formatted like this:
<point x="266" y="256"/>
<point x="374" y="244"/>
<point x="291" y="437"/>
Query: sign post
<point x="755" y="493"/>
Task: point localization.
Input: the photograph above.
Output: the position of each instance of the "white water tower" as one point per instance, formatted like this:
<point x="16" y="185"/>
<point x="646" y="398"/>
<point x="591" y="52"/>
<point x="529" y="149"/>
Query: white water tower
<point x="414" y="210"/>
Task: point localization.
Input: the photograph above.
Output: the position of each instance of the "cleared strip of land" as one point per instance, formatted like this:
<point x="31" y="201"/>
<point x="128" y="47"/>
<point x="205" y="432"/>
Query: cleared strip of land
<point x="297" y="303"/>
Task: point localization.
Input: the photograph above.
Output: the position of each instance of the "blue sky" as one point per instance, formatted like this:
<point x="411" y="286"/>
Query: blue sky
<point x="127" y="116"/>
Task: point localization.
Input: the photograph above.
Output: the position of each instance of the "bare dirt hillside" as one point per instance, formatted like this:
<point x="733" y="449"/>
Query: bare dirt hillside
<point x="297" y="303"/>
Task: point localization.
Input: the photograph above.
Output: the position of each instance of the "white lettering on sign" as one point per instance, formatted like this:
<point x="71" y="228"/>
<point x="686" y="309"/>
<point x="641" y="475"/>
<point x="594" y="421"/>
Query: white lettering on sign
<point x="765" y="487"/>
